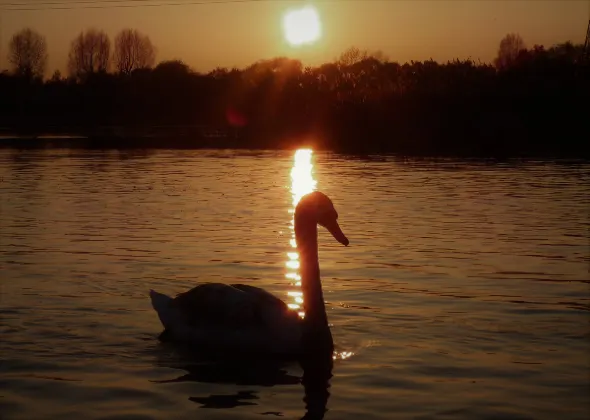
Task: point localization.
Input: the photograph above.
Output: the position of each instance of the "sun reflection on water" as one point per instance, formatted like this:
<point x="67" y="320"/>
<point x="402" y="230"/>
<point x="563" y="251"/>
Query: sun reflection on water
<point x="302" y="183"/>
<point x="342" y="355"/>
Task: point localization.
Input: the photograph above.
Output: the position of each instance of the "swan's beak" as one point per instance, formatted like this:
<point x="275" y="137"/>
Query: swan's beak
<point x="334" y="228"/>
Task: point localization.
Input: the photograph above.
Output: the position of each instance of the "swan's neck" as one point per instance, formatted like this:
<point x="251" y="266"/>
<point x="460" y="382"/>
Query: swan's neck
<point x="306" y="235"/>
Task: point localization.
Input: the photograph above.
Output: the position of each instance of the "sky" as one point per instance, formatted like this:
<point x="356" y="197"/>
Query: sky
<point x="206" y="36"/>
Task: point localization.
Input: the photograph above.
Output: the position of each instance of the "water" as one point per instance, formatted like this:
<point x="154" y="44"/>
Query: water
<point x="464" y="293"/>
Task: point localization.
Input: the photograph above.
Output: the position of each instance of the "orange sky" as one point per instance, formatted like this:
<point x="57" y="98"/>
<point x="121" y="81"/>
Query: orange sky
<point x="237" y="34"/>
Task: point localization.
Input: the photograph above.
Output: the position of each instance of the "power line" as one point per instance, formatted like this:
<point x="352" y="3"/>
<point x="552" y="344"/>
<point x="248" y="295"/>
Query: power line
<point x="1" y="40"/>
<point x="107" y="4"/>
<point x="76" y="2"/>
<point x="44" y="2"/>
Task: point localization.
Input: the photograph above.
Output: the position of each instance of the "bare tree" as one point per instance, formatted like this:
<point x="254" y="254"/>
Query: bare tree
<point x="355" y="55"/>
<point x="133" y="50"/>
<point x="27" y="53"/>
<point x="510" y="47"/>
<point x="89" y="53"/>
<point x="352" y="55"/>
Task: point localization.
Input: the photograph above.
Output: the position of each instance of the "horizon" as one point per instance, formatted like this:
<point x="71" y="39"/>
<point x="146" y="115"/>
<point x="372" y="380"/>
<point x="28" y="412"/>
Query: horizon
<point x="402" y="30"/>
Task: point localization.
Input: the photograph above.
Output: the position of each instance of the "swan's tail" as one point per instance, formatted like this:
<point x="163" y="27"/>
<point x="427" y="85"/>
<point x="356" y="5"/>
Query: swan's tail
<point x="161" y="303"/>
<point x="159" y="300"/>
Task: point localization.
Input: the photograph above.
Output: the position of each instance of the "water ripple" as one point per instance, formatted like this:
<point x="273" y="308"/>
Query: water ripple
<point x="464" y="293"/>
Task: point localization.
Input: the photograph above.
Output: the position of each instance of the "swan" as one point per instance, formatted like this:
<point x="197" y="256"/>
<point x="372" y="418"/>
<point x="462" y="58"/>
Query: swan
<point x="245" y="319"/>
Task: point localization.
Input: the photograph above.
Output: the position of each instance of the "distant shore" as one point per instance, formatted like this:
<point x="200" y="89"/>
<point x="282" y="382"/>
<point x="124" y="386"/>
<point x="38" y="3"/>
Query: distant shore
<point x="74" y="141"/>
<point x="530" y="104"/>
<point x="115" y="142"/>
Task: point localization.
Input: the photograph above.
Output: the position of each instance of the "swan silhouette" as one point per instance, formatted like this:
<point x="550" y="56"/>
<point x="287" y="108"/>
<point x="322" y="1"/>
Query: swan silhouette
<point x="246" y="320"/>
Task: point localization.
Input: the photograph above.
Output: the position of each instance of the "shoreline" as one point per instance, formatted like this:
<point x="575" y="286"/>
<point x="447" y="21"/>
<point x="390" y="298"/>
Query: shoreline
<point x="74" y="141"/>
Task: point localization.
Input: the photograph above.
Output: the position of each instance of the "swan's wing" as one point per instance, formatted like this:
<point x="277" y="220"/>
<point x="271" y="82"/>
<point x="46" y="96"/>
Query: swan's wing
<point x="262" y="297"/>
<point x="215" y="304"/>
<point x="217" y="317"/>
<point x="271" y="311"/>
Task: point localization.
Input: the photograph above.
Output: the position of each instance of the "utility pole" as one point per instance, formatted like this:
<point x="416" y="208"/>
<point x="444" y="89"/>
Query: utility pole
<point x="587" y="43"/>
<point x="1" y="53"/>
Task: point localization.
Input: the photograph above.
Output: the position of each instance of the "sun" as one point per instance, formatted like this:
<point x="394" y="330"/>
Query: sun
<point x="302" y="26"/>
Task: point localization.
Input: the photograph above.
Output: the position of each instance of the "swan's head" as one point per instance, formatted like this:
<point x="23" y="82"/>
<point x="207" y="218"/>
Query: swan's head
<point x="317" y="208"/>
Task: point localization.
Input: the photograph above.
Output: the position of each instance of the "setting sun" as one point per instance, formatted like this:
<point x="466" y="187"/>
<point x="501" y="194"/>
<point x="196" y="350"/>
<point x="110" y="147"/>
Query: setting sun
<point x="302" y="26"/>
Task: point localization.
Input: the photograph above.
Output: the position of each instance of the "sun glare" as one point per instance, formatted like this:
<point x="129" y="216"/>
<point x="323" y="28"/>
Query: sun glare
<point x="302" y="26"/>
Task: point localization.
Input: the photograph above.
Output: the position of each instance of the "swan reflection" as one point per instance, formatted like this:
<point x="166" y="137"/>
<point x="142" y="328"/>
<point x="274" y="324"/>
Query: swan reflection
<point x="197" y="368"/>
<point x="226" y="401"/>
<point x="263" y="373"/>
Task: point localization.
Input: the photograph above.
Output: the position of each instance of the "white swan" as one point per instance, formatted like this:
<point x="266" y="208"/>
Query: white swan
<point x="246" y="319"/>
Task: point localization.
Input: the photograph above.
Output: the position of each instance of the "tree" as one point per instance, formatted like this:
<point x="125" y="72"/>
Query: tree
<point x="352" y="55"/>
<point x="567" y="51"/>
<point x="172" y="69"/>
<point x="133" y="51"/>
<point x="89" y="53"/>
<point x="355" y="55"/>
<point x="56" y="77"/>
<point x="510" y="47"/>
<point x="27" y="52"/>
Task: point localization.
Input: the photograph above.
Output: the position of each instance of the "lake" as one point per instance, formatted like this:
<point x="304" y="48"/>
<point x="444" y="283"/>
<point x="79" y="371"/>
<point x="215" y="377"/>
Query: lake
<point x="464" y="293"/>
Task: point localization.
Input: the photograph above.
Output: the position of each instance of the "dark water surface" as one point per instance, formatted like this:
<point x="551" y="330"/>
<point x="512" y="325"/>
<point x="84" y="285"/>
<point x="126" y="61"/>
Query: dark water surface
<point x="464" y="294"/>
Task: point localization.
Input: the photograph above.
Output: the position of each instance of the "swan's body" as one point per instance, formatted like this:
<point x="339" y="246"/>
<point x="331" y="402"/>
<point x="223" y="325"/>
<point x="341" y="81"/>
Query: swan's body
<point x="246" y="319"/>
<point x="220" y="317"/>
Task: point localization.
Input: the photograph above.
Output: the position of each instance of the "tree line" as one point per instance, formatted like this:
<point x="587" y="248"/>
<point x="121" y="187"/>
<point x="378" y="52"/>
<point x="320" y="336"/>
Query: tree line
<point x="528" y="101"/>
<point x="90" y="53"/>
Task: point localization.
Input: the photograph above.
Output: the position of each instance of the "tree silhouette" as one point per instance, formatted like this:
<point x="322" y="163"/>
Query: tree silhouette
<point x="510" y="47"/>
<point x="89" y="54"/>
<point x="27" y="53"/>
<point x="56" y="77"/>
<point x="133" y="51"/>
<point x="360" y="103"/>
<point x="354" y="55"/>
<point x="171" y="69"/>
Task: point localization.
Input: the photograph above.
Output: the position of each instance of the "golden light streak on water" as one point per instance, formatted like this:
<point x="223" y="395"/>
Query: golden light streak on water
<point x="343" y="355"/>
<point x="302" y="183"/>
